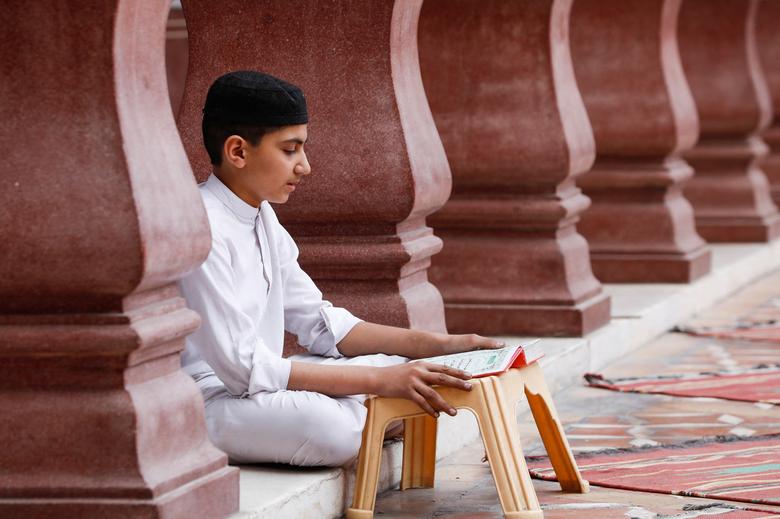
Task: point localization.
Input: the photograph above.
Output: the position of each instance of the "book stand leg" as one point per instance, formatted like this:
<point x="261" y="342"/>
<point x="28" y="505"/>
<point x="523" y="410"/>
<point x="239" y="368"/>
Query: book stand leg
<point x="382" y="411"/>
<point x="419" y="464"/>
<point x="551" y="431"/>
<point x="498" y="426"/>
<point x="368" y="464"/>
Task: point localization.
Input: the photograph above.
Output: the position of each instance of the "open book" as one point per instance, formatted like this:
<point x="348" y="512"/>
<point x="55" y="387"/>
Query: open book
<point x="482" y="363"/>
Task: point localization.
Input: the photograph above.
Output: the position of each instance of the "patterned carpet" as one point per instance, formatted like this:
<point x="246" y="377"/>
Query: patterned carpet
<point x="596" y="420"/>
<point x="735" y="469"/>
<point x="758" y="384"/>
<point x="729" y="371"/>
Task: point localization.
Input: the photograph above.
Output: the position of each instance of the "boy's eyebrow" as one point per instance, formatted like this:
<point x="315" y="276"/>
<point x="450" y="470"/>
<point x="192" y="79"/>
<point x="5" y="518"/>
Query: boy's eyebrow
<point x="295" y="140"/>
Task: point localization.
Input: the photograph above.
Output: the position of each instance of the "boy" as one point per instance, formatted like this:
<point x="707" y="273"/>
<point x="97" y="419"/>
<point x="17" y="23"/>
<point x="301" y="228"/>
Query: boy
<point x="260" y="407"/>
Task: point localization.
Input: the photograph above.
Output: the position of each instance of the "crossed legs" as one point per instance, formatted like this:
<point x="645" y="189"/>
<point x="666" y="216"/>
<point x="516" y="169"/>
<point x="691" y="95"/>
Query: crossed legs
<point x="296" y="427"/>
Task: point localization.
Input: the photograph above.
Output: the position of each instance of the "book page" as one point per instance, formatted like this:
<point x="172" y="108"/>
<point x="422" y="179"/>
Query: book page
<point x="477" y="362"/>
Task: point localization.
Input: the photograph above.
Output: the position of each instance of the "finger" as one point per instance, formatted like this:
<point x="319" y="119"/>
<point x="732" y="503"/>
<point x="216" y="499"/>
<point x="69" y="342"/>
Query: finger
<point x="435" y="399"/>
<point x="440" y="368"/>
<point x="486" y="343"/>
<point x="420" y="400"/>
<point x="472" y="341"/>
<point x="443" y="379"/>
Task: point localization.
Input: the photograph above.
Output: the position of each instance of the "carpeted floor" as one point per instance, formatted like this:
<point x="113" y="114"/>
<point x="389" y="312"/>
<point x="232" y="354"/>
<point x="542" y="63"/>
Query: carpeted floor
<point x="721" y="363"/>
<point x="596" y="420"/>
<point x="730" y="468"/>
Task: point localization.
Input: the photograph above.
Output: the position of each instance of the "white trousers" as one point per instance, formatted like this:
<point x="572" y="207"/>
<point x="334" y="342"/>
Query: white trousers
<point x="296" y="427"/>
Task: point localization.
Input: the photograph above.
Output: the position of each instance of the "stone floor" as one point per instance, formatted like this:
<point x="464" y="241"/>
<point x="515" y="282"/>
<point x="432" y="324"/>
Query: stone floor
<point x="597" y="419"/>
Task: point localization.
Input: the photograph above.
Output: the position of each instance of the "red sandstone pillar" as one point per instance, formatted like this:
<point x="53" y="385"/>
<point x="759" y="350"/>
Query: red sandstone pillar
<point x="499" y="79"/>
<point x="640" y="227"/>
<point x="98" y="218"/>
<point x="768" y="40"/>
<point x="729" y="192"/>
<point x="379" y="167"/>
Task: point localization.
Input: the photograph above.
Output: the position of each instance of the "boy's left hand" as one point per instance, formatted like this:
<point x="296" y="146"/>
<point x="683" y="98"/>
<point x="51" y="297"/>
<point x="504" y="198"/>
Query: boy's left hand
<point x="459" y="343"/>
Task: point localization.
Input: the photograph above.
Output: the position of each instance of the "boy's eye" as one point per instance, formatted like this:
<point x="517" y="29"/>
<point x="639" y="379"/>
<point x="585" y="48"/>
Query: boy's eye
<point x="289" y="151"/>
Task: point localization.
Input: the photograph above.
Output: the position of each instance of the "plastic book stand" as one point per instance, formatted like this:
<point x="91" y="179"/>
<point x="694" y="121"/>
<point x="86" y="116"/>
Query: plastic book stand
<point x="492" y="400"/>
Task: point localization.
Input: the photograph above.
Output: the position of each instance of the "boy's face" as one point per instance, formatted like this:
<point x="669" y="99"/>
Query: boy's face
<point x="271" y="169"/>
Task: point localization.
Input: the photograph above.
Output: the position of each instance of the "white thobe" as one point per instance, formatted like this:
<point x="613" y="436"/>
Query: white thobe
<point x="248" y="291"/>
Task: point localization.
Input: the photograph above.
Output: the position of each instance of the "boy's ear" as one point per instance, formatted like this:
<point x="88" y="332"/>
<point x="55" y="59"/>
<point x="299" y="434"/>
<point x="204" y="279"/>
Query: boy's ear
<point x="234" y="151"/>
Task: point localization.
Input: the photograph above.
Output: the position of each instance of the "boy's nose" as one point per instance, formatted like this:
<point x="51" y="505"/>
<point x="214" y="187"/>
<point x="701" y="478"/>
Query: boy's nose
<point x="303" y="168"/>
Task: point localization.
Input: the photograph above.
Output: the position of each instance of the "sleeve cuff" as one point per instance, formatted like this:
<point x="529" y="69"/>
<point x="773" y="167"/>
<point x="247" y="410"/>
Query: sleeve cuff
<point x="339" y="322"/>
<point x="268" y="374"/>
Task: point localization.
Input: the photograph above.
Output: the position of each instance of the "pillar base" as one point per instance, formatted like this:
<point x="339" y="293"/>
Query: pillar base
<point x="651" y="268"/>
<point x="214" y="495"/>
<point x="741" y="230"/>
<point x="529" y="319"/>
<point x="730" y="195"/>
<point x="771" y="164"/>
<point x="771" y="168"/>
<point x="640" y="228"/>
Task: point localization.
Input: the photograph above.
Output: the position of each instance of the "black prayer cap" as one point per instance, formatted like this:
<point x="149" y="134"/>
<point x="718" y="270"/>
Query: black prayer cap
<point x="250" y="97"/>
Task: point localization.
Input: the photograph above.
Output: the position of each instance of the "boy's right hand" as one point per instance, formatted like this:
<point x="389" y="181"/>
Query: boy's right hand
<point x="413" y="381"/>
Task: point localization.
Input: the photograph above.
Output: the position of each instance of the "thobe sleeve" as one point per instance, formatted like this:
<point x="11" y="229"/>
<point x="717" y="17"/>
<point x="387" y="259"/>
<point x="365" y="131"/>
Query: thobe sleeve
<point x="319" y="325"/>
<point x="227" y="339"/>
